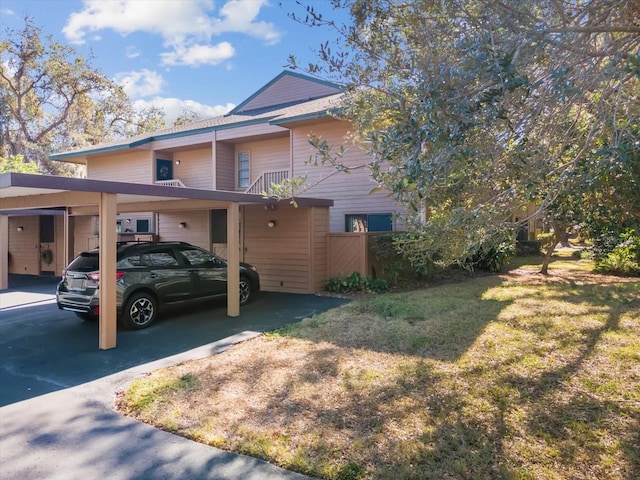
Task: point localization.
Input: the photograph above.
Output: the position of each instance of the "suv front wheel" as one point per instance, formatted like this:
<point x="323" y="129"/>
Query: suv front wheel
<point x="140" y="311"/>
<point x="246" y="291"/>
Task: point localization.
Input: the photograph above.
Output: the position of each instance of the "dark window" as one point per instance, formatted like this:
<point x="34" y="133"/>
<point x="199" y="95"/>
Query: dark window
<point x="47" y="230"/>
<point x="375" y="222"/>
<point x="164" y="170"/>
<point x="85" y="262"/>
<point x="142" y="226"/>
<point x="243" y="170"/>
<point x="160" y="258"/>
<point x="200" y="258"/>
<point x="219" y="226"/>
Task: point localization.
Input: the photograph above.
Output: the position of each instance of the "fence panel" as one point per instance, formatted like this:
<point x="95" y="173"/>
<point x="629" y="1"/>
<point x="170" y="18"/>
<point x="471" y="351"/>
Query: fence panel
<point x="346" y="253"/>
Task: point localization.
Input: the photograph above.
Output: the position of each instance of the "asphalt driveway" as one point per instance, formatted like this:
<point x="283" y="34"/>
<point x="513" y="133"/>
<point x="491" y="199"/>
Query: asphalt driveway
<point x="57" y="387"/>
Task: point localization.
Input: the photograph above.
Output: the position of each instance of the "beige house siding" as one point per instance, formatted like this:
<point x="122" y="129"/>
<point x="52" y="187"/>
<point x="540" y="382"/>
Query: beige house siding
<point x="225" y="166"/>
<point x="319" y="227"/>
<point x="350" y="192"/>
<point x="137" y="166"/>
<point x="196" y="229"/>
<point x="85" y="233"/>
<point x="288" y="89"/>
<point x="24" y="247"/>
<point x="281" y="254"/>
<point x="265" y="155"/>
<point x="195" y="169"/>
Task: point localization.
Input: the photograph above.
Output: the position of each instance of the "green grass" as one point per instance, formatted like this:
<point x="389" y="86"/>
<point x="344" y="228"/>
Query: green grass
<point x="499" y="377"/>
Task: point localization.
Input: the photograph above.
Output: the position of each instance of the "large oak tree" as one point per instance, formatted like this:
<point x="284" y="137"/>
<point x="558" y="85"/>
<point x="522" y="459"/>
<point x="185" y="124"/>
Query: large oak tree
<point x="474" y="110"/>
<point x="52" y="99"/>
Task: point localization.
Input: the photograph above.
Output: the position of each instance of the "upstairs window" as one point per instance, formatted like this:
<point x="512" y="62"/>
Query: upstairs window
<point x="243" y="170"/>
<point x="374" y="222"/>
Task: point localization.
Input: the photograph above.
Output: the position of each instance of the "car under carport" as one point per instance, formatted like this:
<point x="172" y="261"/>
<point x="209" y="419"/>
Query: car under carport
<point x="106" y="199"/>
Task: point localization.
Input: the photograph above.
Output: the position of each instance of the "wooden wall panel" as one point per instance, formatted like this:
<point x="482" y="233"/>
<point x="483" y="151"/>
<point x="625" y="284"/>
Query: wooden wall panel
<point x="138" y="165"/>
<point x="225" y="166"/>
<point x="281" y="254"/>
<point x="24" y="246"/>
<point x="85" y="233"/>
<point x="196" y="232"/>
<point x="347" y="254"/>
<point x="350" y="192"/>
<point x="266" y="155"/>
<point x="195" y="169"/>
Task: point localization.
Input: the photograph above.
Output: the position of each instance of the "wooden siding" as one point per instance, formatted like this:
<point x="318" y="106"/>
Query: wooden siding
<point x="138" y="165"/>
<point x="281" y="254"/>
<point x="196" y="231"/>
<point x="250" y="131"/>
<point x="195" y="169"/>
<point x="347" y="253"/>
<point x="225" y="165"/>
<point x="350" y="192"/>
<point x="85" y="233"/>
<point x="289" y="89"/>
<point x="24" y="246"/>
<point x="265" y="155"/>
<point x="319" y="227"/>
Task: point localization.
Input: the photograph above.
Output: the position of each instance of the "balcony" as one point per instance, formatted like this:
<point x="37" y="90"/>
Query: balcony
<point x="266" y="179"/>
<point x="174" y="182"/>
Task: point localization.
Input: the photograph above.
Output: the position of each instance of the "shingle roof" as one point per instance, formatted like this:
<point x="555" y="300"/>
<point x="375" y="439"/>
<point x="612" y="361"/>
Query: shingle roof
<point x="277" y="114"/>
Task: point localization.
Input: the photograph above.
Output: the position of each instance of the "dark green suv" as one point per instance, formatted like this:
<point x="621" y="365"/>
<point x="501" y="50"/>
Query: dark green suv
<point x="149" y="275"/>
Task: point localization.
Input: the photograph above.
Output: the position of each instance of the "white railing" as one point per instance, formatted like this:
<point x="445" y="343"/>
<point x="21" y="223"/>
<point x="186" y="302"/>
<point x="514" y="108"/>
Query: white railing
<point x="171" y="183"/>
<point x="264" y="181"/>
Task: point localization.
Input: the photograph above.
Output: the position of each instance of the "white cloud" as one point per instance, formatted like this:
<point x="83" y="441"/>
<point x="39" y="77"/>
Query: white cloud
<point x="6" y="11"/>
<point x="173" y="107"/>
<point x="132" y="51"/>
<point x="183" y="25"/>
<point x="199" y="54"/>
<point x="140" y="84"/>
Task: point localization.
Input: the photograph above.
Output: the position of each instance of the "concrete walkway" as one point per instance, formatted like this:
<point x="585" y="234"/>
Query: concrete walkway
<point x="58" y="419"/>
<point x="75" y="434"/>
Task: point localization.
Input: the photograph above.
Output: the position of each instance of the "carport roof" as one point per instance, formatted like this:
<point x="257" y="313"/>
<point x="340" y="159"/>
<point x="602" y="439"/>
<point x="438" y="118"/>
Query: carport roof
<point x="16" y="185"/>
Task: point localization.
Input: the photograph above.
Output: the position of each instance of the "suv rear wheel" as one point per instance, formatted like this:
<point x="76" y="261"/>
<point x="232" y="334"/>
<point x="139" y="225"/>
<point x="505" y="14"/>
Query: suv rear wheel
<point x="140" y="311"/>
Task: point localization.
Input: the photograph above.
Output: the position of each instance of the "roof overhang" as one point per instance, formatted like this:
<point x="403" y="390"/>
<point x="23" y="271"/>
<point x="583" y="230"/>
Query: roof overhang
<point x="20" y="191"/>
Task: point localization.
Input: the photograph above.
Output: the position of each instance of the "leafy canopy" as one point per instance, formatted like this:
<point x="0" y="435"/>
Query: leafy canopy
<point x="51" y="100"/>
<point x="473" y="110"/>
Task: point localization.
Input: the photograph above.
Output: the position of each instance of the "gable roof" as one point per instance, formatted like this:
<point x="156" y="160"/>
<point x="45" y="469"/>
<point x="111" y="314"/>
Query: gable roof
<point x="261" y="107"/>
<point x="286" y="89"/>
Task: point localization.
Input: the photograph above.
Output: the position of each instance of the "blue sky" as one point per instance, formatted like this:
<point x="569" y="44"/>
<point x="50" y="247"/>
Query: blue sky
<point x="207" y="55"/>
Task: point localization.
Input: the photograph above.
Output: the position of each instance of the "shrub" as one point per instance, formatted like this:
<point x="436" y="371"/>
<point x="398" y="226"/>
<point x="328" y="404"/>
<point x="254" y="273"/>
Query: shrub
<point x="527" y="248"/>
<point x="624" y="258"/>
<point x="356" y="282"/>
<point x="491" y="259"/>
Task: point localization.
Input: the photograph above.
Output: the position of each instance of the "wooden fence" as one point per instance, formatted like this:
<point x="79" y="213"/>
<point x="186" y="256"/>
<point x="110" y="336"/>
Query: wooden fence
<point x="352" y="252"/>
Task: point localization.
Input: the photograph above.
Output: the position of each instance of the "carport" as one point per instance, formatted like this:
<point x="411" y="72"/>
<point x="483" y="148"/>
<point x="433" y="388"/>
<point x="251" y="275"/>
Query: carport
<point x="22" y="191"/>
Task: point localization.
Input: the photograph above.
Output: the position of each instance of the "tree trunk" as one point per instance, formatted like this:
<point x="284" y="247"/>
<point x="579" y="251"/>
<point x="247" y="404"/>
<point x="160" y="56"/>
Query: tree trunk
<point x="557" y="237"/>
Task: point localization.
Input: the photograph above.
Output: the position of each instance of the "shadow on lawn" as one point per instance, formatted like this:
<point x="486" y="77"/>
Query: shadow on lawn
<point x="516" y="409"/>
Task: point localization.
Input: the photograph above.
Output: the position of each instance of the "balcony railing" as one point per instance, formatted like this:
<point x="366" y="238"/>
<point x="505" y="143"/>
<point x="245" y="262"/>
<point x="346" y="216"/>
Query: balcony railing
<point x="175" y="182"/>
<point x="264" y="181"/>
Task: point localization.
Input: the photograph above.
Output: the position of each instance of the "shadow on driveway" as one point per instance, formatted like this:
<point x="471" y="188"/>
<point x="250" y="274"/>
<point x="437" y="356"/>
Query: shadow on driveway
<point x="44" y="349"/>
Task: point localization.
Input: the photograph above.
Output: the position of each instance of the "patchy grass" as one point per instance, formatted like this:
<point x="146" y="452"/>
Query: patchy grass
<point x="517" y="376"/>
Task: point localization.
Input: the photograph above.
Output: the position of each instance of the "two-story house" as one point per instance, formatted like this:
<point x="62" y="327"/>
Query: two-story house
<point x="264" y="140"/>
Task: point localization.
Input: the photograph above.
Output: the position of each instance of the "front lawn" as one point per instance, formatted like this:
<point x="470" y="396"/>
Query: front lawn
<point x="517" y="376"/>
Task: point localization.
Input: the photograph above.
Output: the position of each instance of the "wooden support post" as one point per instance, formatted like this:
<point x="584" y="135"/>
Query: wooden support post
<point x="233" y="260"/>
<point x="108" y="239"/>
<point x="69" y="229"/>
<point x="4" y="252"/>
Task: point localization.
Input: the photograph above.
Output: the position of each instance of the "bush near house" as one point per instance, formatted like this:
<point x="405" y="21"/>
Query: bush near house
<point x="624" y="258"/>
